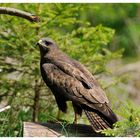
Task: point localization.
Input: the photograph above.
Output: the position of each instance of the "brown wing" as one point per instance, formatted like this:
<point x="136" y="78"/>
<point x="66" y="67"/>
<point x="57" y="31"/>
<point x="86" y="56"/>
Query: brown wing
<point x="78" y="71"/>
<point x="72" y="89"/>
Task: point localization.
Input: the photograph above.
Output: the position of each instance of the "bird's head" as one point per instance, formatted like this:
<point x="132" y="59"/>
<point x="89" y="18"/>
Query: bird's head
<point x="46" y="44"/>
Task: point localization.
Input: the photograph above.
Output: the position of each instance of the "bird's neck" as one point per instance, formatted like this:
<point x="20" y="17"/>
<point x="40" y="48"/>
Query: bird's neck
<point x="48" y="56"/>
<point x="53" y="55"/>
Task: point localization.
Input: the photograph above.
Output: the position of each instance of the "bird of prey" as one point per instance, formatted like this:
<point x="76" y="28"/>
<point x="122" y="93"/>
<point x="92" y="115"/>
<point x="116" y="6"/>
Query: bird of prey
<point x="69" y="80"/>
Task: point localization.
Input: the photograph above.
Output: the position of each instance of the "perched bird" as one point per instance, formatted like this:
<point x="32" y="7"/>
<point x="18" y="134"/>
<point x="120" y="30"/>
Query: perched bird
<point x="69" y="80"/>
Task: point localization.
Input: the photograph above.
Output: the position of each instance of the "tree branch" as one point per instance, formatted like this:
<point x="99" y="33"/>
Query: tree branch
<point x="19" y="13"/>
<point x="36" y="100"/>
<point x="5" y="108"/>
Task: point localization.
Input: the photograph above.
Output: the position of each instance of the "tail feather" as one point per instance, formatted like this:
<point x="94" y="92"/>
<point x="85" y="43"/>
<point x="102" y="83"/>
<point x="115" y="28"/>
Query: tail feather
<point x="97" y="122"/>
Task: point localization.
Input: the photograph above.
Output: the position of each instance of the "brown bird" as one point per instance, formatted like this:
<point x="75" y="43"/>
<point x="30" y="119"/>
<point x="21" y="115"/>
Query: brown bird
<point x="69" y="80"/>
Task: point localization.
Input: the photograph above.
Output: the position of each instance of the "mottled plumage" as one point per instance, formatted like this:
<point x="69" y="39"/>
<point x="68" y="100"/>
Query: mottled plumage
<point x="69" y="80"/>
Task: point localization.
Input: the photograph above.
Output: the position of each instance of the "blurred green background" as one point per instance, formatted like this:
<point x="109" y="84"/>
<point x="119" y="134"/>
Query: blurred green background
<point x="104" y="37"/>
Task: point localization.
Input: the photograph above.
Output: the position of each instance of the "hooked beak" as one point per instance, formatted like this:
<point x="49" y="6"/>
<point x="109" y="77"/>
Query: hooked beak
<point x="39" y="43"/>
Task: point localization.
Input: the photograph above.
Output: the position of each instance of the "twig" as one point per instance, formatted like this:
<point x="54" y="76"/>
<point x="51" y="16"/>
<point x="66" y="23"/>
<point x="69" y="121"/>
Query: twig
<point x="36" y="100"/>
<point x="5" y="108"/>
<point x="19" y="13"/>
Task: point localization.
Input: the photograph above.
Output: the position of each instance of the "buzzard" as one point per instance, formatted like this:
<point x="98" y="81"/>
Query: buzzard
<point x="69" y="80"/>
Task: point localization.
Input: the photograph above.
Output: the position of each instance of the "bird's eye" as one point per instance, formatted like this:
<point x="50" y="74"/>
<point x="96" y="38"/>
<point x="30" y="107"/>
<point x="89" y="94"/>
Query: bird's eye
<point x="47" y="43"/>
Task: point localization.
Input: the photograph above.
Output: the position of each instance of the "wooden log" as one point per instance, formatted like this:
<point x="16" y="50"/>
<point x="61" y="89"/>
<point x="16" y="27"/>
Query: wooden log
<point x="54" y="129"/>
<point x="38" y="130"/>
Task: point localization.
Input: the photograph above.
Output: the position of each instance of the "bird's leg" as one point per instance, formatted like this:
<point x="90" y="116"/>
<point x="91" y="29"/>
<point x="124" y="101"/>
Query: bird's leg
<point x="77" y="112"/>
<point x="75" y="118"/>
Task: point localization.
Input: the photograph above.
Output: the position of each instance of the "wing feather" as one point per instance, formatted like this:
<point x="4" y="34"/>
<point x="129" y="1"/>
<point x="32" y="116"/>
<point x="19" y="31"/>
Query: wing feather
<point x="98" y="92"/>
<point x="74" y="72"/>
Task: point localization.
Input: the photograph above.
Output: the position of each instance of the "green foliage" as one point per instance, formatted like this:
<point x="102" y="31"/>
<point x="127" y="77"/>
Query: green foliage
<point x="130" y="125"/>
<point x="119" y="16"/>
